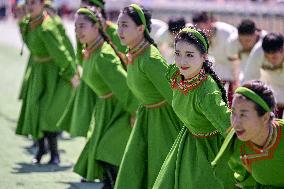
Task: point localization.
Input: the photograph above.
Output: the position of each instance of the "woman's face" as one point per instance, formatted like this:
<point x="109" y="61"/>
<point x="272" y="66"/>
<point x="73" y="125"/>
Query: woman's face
<point x="128" y="31"/>
<point x="188" y="59"/>
<point x="248" y="125"/>
<point x="86" y="31"/>
<point x="35" y="7"/>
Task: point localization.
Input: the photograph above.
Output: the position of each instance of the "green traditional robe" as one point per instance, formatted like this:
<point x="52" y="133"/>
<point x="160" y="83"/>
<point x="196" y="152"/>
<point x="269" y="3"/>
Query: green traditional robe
<point x="49" y="88"/>
<point x="199" y="105"/>
<point x="77" y="117"/>
<point x="66" y="42"/>
<point x="23" y="88"/>
<point x="156" y="124"/>
<point x="265" y="164"/>
<point x="104" y="74"/>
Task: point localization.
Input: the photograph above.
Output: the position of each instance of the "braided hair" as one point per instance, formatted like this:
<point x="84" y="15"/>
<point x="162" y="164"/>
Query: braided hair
<point x="207" y="65"/>
<point x="130" y="11"/>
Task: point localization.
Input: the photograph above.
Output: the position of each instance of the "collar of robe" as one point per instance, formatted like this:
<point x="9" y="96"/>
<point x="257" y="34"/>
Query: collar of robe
<point x="93" y="47"/>
<point x="33" y="23"/>
<point x="190" y="84"/>
<point x="136" y="51"/>
<point x="272" y="67"/>
<point x="261" y="153"/>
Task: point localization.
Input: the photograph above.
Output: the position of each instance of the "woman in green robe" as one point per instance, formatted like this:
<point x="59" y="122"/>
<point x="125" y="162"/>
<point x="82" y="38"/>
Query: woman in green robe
<point x="200" y="101"/>
<point x="104" y="74"/>
<point x="78" y="114"/>
<point x="49" y="84"/>
<point x="255" y="144"/>
<point x="156" y="124"/>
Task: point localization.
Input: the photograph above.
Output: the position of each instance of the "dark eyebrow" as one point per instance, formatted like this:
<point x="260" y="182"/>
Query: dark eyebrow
<point x="80" y="23"/>
<point x="243" y="111"/>
<point x="189" y="52"/>
<point x="123" y="22"/>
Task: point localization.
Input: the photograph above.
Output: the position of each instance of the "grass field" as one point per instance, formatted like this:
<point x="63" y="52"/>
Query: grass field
<point x="15" y="152"/>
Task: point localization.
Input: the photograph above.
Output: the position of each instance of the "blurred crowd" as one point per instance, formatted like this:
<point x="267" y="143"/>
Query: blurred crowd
<point x="67" y="7"/>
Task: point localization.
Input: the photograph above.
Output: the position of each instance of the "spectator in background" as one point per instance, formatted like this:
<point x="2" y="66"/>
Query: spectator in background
<point x="158" y="30"/>
<point x="218" y="33"/>
<point x="3" y="9"/>
<point x="266" y="63"/>
<point x="175" y="25"/>
<point x="242" y="43"/>
<point x="166" y="40"/>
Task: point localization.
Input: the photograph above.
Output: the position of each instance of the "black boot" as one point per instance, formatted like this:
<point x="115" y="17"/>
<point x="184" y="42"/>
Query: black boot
<point x="110" y="174"/>
<point x="52" y="142"/>
<point x="40" y="151"/>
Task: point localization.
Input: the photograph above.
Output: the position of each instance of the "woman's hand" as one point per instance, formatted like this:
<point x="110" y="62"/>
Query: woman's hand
<point x="132" y="120"/>
<point x="75" y="81"/>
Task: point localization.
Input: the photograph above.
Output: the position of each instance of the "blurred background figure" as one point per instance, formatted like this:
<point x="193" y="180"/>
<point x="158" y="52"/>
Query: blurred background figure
<point x="241" y="44"/>
<point x="266" y="63"/>
<point x="165" y="39"/>
<point x="218" y="34"/>
<point x="158" y="29"/>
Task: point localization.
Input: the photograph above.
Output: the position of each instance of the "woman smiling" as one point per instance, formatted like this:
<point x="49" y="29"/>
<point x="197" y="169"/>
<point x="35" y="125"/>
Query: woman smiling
<point x="255" y="141"/>
<point x="199" y="100"/>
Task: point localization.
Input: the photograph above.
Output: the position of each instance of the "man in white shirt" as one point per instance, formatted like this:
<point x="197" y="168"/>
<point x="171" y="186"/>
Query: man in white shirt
<point x="266" y="62"/>
<point x="165" y="40"/>
<point x="241" y="44"/>
<point x="218" y="34"/>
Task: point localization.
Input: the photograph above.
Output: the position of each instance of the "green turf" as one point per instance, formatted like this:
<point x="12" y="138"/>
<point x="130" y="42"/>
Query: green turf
<point x="15" y="154"/>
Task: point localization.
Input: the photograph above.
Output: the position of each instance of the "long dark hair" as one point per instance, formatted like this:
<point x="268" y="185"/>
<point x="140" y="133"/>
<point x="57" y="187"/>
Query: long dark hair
<point x="130" y="11"/>
<point x="207" y="65"/>
<point x="265" y="92"/>
<point x="105" y="36"/>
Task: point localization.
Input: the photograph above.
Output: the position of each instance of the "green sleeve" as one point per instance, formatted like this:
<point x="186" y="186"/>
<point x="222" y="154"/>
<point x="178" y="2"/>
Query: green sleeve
<point x="111" y="70"/>
<point x="66" y="39"/>
<point x="212" y="106"/>
<point x="155" y="69"/>
<point x="171" y="71"/>
<point x="117" y="43"/>
<point x="24" y="26"/>
<point x="242" y="176"/>
<point x="229" y="153"/>
<point x="112" y="34"/>
<point x="54" y="43"/>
